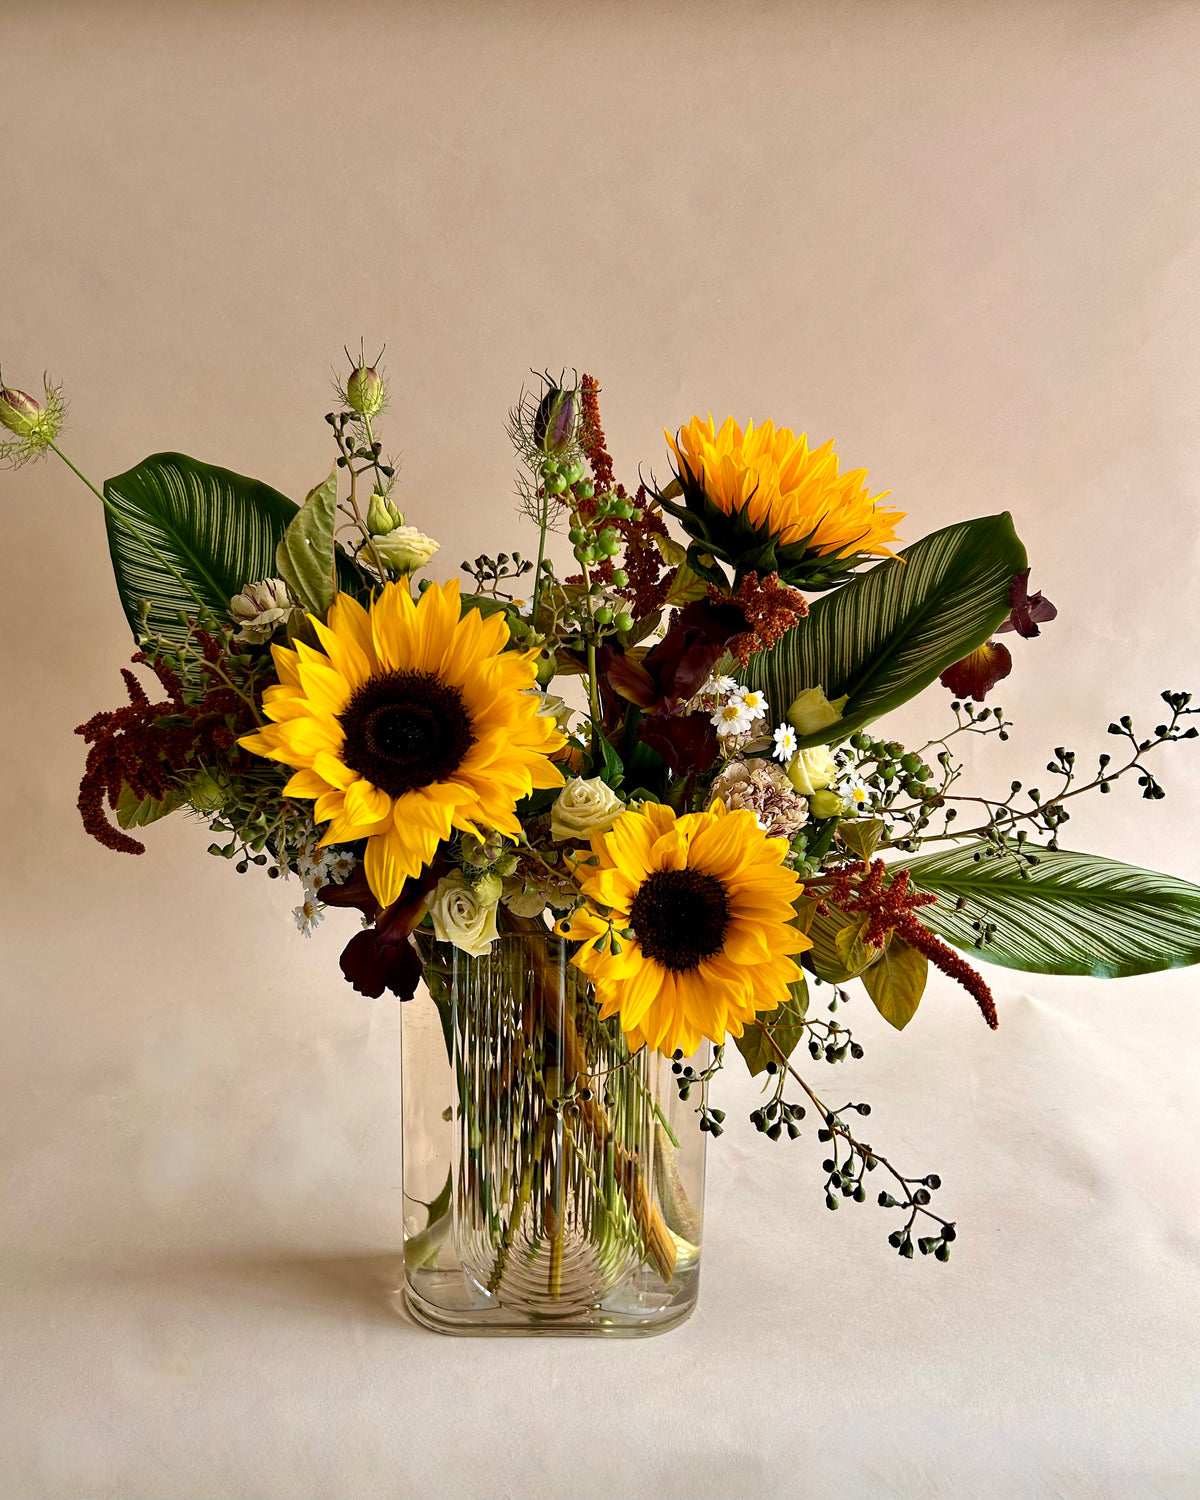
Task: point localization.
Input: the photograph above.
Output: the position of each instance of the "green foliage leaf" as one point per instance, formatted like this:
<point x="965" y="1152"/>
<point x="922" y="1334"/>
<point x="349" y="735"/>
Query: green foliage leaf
<point x="861" y="835"/>
<point x="137" y="812"/>
<point x="838" y="953"/>
<point x="784" y="1026"/>
<point x="1074" y="914"/>
<point x="897" y="982"/>
<point x="887" y="633"/>
<point x="199" y="535"/>
<point x="306" y="558"/>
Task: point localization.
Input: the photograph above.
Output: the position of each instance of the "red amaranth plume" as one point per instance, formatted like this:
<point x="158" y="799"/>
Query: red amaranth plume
<point x="151" y="746"/>
<point x="772" y="609"/>
<point x="649" y="581"/>
<point x="860" y="890"/>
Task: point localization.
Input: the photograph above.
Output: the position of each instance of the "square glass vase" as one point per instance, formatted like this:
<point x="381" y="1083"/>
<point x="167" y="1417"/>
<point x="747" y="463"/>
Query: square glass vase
<point x="553" y="1181"/>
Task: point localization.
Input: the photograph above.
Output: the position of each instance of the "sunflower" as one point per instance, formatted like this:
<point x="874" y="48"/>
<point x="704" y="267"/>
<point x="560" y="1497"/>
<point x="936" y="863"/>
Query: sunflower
<point x="763" y="501"/>
<point x="687" y="928"/>
<point x="412" y="721"/>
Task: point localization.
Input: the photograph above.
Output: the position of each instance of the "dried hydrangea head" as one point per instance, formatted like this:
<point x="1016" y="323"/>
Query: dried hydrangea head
<point x="763" y="788"/>
<point x="260" y="609"/>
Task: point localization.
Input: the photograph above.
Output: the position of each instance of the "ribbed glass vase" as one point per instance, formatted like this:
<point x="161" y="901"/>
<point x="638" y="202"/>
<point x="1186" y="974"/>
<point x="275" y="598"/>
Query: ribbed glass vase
<point x="553" y="1183"/>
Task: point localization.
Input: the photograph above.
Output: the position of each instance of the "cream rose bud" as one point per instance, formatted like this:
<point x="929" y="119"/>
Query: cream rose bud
<point x="812" y="770"/>
<point x="405" y="549"/>
<point x="461" y="917"/>
<point x="583" y="808"/>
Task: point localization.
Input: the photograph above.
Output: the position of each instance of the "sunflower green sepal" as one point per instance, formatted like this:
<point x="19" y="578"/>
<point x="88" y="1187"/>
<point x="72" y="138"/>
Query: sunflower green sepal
<point x="735" y="540"/>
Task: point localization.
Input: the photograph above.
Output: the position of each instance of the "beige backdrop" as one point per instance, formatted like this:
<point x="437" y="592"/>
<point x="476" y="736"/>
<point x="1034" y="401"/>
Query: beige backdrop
<point x="961" y="239"/>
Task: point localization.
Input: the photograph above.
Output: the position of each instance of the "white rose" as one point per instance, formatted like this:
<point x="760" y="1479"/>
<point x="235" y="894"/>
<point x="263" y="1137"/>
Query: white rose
<point x="583" y="808"/>
<point x="406" y="549"/>
<point x="812" y="770"/>
<point x="460" y="917"/>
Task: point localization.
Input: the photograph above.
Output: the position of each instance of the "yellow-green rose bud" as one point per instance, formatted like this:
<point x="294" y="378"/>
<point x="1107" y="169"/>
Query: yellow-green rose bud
<point x="364" y="391"/>
<point x="405" y="549"/>
<point x="460" y="917"/>
<point x="583" y="808"/>
<point x="826" y="805"/>
<point x="812" y="711"/>
<point x="382" y="515"/>
<point x="811" y="770"/>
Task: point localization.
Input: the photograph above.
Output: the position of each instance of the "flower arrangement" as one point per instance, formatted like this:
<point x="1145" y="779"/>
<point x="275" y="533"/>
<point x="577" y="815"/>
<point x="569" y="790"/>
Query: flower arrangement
<point x="704" y="816"/>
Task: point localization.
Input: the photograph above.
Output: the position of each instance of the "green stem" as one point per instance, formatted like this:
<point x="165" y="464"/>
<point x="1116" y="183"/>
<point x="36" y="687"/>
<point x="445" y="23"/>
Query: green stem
<point x="124" y="521"/>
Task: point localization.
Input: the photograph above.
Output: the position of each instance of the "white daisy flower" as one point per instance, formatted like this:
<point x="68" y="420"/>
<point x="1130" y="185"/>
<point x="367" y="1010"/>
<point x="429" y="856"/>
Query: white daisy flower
<point x="730" y="718"/>
<point x="855" y="790"/>
<point x="717" y="687"/>
<point x="754" y="703"/>
<point x="524" y="607"/>
<point x="341" y="867"/>
<point x="309" y="914"/>
<point x="785" y="743"/>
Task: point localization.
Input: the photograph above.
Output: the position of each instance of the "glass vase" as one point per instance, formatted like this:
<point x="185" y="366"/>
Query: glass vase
<point x="553" y="1182"/>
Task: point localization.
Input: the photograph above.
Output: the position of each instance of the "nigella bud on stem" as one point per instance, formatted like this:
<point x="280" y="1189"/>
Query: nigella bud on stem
<point x="34" y="425"/>
<point x="20" y="413"/>
<point x="556" y="419"/>
<point x="364" y="391"/>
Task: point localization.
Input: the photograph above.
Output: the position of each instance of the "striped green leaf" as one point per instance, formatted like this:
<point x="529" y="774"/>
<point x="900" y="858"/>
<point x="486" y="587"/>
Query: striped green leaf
<point x="1074" y="914"/>
<point x="189" y="535"/>
<point x="889" y="632"/>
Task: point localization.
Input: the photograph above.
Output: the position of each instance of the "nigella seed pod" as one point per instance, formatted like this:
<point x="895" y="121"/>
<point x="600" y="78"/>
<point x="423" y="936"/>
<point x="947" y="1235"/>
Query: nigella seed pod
<point x="364" y="391"/>
<point x="20" y="413"/>
<point x="556" y="419"/>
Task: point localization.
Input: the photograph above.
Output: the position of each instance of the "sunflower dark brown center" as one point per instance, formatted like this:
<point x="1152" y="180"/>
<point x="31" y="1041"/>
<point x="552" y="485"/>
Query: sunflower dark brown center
<point x="405" y="730"/>
<point x="680" y="917"/>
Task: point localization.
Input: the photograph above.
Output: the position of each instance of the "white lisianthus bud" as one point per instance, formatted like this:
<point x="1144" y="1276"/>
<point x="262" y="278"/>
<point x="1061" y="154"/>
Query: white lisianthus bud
<point x="460" y="917"/>
<point x="405" y="549"/>
<point x="812" y="710"/>
<point x="812" y="770"/>
<point x="382" y="515"/>
<point x="260" y="609"/>
<point x="583" y="808"/>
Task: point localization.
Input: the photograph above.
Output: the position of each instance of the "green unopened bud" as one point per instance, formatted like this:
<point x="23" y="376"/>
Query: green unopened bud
<point x="826" y="805"/>
<point x="34" y="426"/>
<point x="488" y="888"/>
<point x="382" y="515"/>
<point x="205" y="794"/>
<point x="364" y="391"/>
<point x="555" y="420"/>
<point x="20" y="413"/>
<point x="812" y="711"/>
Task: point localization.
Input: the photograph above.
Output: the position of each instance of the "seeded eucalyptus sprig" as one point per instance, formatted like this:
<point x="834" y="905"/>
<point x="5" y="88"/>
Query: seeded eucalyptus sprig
<point x="1007" y="825"/>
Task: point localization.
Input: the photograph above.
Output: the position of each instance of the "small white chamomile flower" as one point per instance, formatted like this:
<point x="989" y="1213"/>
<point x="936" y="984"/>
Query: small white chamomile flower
<point x="785" y="743"/>
<point x="754" y="703"/>
<point x="309" y="914"/>
<point x="730" y="718"/>
<point x="717" y="687"/>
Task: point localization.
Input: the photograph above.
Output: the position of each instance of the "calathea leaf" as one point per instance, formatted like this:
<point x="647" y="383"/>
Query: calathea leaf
<point x="1067" y="914"/>
<point x="887" y="633"/>
<point x="186" y="536"/>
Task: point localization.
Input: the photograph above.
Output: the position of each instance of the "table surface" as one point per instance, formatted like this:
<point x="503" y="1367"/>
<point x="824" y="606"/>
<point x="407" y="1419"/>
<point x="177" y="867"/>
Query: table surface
<point x="962" y="239"/>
